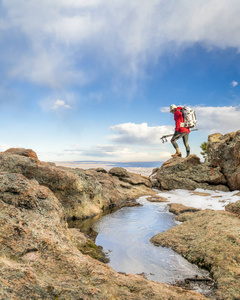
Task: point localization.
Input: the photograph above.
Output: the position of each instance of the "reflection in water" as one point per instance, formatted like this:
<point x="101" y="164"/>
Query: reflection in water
<point x="125" y="235"/>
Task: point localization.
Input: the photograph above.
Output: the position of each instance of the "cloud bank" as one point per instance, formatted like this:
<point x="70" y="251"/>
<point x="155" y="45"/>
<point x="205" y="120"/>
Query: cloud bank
<point x="139" y="134"/>
<point x="209" y="119"/>
<point x="218" y="119"/>
<point x="49" y="42"/>
<point x="127" y="153"/>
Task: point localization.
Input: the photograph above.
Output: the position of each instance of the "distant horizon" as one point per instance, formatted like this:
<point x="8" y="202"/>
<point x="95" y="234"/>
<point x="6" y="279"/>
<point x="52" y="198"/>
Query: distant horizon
<point x="111" y="162"/>
<point x="142" y="168"/>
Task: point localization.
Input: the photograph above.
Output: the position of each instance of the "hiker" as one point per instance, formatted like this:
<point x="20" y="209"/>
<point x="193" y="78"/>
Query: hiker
<point x="180" y="132"/>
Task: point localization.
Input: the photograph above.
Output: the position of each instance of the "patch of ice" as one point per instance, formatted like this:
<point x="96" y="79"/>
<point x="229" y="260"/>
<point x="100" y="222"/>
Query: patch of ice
<point x="216" y="200"/>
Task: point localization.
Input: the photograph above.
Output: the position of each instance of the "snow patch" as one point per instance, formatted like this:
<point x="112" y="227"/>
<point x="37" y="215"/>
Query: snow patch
<point x="216" y="200"/>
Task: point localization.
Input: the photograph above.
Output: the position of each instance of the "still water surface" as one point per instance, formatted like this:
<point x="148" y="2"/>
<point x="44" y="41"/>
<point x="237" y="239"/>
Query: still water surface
<point x="125" y="235"/>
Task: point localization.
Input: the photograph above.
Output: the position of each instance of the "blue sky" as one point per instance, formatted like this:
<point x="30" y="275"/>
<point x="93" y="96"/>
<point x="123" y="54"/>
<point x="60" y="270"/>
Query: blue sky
<point x="94" y="79"/>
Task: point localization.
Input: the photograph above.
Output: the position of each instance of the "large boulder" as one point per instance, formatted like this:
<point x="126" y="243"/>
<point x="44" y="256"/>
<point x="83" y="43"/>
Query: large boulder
<point x="189" y="173"/>
<point x="223" y="151"/>
<point x="23" y="152"/>
<point x="131" y="178"/>
<point x="221" y="170"/>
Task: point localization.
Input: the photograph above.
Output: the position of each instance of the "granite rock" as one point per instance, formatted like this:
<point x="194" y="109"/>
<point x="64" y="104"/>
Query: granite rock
<point x="83" y="193"/>
<point x="220" y="171"/>
<point x="40" y="256"/>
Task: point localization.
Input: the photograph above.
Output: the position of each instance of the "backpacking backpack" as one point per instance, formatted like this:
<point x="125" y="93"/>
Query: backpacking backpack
<point x="189" y="117"/>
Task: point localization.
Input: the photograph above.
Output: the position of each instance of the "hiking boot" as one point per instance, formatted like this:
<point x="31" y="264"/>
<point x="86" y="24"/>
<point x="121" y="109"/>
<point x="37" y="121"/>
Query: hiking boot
<point x="177" y="155"/>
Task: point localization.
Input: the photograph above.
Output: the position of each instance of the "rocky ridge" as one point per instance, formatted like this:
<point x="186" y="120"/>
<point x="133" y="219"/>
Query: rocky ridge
<point x="83" y="193"/>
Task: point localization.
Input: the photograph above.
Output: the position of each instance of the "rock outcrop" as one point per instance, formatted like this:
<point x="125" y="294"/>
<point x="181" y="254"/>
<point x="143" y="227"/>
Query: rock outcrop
<point x="221" y="171"/>
<point x="210" y="239"/>
<point x="189" y="173"/>
<point x="83" y="193"/>
<point x="40" y="256"/>
<point x="224" y="152"/>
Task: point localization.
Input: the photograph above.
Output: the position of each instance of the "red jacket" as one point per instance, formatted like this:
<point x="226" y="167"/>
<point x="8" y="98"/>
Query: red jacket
<point x="178" y="117"/>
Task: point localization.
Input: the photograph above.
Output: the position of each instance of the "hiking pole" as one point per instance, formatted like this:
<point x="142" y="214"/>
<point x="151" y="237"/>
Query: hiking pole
<point x="164" y="137"/>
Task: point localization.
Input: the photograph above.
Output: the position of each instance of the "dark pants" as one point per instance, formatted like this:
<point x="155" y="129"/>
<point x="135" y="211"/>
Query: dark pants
<point x="184" y="135"/>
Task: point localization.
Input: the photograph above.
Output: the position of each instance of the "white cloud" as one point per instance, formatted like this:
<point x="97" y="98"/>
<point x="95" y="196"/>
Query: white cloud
<point x="58" y="35"/>
<point x="96" y="151"/>
<point x="60" y="104"/>
<point x="50" y="104"/>
<point x="222" y="119"/>
<point x="234" y="83"/>
<point x="140" y="134"/>
<point x="123" y="153"/>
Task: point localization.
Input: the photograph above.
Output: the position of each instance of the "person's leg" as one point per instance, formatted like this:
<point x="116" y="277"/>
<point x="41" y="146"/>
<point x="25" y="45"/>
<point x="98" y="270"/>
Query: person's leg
<point x="185" y="141"/>
<point x="176" y="136"/>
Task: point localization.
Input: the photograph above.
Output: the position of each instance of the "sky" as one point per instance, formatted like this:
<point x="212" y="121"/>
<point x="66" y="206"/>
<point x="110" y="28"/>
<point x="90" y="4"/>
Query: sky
<point x="92" y="80"/>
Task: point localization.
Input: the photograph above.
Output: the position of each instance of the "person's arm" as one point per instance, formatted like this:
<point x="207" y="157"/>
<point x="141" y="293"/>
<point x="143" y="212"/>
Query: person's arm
<point x="178" y="119"/>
